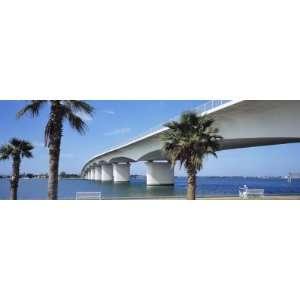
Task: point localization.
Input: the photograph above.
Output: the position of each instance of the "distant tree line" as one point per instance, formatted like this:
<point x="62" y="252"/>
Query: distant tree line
<point x="65" y="175"/>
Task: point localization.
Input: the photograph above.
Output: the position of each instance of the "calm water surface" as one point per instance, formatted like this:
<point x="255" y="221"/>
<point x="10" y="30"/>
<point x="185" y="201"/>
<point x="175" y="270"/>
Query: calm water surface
<point x="207" y="186"/>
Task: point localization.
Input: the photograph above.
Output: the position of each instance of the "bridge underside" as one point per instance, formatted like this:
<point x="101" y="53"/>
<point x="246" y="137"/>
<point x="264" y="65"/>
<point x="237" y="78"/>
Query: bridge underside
<point x="226" y="144"/>
<point x="230" y="144"/>
<point x="254" y="142"/>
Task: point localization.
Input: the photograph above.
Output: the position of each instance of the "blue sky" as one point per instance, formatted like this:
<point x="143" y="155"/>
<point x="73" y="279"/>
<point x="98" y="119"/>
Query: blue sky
<point x="116" y="122"/>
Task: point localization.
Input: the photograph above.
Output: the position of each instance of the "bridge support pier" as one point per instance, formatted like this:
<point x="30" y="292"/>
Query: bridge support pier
<point x="121" y="172"/>
<point x="98" y="172"/>
<point x="107" y="172"/>
<point x="160" y="173"/>
<point x="93" y="173"/>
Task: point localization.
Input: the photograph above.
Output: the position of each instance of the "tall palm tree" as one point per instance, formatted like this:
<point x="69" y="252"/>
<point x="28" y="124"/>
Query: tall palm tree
<point x="15" y="149"/>
<point x="189" y="141"/>
<point x="60" y="111"/>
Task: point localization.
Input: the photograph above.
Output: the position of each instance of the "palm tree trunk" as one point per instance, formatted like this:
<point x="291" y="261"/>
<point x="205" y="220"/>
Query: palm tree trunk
<point x="14" y="182"/>
<point x="54" y="152"/>
<point x="191" y="189"/>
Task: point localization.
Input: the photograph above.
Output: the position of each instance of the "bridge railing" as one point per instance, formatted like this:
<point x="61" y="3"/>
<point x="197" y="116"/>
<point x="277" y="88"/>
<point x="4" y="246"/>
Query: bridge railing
<point x="211" y="104"/>
<point x="199" y="109"/>
<point x="202" y="108"/>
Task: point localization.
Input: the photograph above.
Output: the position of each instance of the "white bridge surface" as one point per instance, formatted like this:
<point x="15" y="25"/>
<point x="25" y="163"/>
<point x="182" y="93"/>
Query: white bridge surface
<point x="242" y="123"/>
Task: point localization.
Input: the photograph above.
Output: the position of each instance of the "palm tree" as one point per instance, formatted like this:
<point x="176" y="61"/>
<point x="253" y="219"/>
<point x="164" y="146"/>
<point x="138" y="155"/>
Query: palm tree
<point x="190" y="140"/>
<point x="60" y="111"/>
<point x="15" y="149"/>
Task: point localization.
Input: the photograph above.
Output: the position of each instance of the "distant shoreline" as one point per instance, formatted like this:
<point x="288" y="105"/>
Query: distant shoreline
<point x="144" y="176"/>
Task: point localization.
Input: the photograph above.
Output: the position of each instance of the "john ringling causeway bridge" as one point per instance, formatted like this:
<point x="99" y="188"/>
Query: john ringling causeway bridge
<point x="242" y="123"/>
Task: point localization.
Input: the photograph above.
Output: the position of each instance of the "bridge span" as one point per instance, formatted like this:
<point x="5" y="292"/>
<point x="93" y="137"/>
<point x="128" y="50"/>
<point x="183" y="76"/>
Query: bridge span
<point x="242" y="123"/>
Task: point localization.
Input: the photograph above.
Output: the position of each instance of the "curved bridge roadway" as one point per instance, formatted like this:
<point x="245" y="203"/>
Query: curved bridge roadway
<point x="242" y="123"/>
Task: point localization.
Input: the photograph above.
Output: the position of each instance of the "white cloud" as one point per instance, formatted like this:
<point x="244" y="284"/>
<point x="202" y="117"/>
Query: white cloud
<point x="84" y="116"/>
<point x="109" y="112"/>
<point x="118" y="131"/>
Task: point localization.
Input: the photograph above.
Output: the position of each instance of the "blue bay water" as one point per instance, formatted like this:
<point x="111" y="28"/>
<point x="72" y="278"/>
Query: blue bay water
<point x="136" y="188"/>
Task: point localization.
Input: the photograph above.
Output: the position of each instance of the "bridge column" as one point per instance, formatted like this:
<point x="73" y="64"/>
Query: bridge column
<point x="88" y="174"/>
<point x="93" y="173"/>
<point x="107" y="172"/>
<point x="121" y="172"/>
<point x="160" y="173"/>
<point x="98" y="172"/>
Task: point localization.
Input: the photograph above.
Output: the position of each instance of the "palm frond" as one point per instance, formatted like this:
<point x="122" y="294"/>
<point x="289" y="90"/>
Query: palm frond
<point x="79" y="106"/>
<point x="27" y="154"/>
<point x="75" y="121"/>
<point x="15" y="142"/>
<point x="5" y="152"/>
<point x="33" y="108"/>
<point x="190" y="140"/>
<point x="26" y="149"/>
<point x="16" y="148"/>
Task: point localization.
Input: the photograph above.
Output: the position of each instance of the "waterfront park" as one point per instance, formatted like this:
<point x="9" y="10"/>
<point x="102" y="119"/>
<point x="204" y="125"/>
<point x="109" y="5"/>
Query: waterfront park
<point x="186" y="142"/>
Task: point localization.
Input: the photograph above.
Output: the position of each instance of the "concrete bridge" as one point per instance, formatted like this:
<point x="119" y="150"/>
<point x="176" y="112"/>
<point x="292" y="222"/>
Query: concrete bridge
<point x="242" y="123"/>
